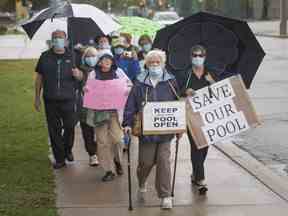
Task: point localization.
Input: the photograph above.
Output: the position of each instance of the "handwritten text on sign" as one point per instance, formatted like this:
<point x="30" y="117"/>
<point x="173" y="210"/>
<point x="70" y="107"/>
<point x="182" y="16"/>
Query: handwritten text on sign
<point x="218" y="112"/>
<point x="164" y="117"/>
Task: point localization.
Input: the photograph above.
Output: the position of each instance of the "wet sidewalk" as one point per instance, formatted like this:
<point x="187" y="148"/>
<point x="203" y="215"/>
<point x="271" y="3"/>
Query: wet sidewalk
<point x="232" y="190"/>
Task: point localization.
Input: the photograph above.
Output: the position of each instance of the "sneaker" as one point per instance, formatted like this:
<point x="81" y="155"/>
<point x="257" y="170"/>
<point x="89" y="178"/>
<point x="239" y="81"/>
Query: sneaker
<point x="59" y="165"/>
<point x="93" y="160"/>
<point x="202" y="187"/>
<point x="109" y="176"/>
<point x="141" y="193"/>
<point x="70" y="157"/>
<point x="193" y="179"/>
<point x="143" y="188"/>
<point x="166" y="203"/>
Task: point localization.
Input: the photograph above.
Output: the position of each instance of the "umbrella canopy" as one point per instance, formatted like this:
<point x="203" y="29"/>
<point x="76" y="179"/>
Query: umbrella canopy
<point x="138" y="26"/>
<point x="81" y="21"/>
<point x="231" y="45"/>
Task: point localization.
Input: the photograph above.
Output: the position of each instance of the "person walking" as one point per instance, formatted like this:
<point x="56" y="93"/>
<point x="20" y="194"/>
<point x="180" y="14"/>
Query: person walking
<point x="103" y="42"/>
<point x="154" y="84"/>
<point x="106" y="122"/>
<point x="125" y="60"/>
<point x="196" y="77"/>
<point x="145" y="44"/>
<point x="57" y="80"/>
<point x="88" y="62"/>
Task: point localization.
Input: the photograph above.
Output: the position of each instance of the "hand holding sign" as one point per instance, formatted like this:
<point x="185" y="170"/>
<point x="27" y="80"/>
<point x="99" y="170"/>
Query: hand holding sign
<point x="227" y="113"/>
<point x="190" y="92"/>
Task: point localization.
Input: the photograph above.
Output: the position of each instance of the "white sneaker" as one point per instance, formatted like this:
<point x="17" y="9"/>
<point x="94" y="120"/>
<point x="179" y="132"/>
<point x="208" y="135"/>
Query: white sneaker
<point x="166" y="203"/>
<point x="141" y="193"/>
<point x="143" y="189"/>
<point x="93" y="160"/>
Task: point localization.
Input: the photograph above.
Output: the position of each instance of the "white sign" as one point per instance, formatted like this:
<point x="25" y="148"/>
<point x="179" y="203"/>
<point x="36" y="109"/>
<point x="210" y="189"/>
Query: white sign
<point x="227" y="127"/>
<point x="218" y="111"/>
<point x="164" y="117"/>
<point x="219" y="92"/>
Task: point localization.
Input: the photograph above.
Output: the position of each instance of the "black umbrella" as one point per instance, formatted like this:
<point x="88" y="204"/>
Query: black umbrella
<point x="231" y="45"/>
<point x="83" y="22"/>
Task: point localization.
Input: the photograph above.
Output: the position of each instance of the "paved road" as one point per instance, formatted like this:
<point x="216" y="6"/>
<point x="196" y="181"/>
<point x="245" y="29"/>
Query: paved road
<point x="270" y="95"/>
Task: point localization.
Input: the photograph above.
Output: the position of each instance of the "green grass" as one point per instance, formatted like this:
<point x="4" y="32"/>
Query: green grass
<point x="26" y="177"/>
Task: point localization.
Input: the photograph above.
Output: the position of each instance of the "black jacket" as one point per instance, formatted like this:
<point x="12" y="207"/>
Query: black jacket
<point x="58" y="80"/>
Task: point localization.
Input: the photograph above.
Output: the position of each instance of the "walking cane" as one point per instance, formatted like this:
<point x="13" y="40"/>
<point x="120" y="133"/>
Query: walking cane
<point x="129" y="173"/>
<point x="175" y="166"/>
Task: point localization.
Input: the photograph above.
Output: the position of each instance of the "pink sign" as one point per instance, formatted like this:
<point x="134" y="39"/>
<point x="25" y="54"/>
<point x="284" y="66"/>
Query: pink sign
<point x="106" y="94"/>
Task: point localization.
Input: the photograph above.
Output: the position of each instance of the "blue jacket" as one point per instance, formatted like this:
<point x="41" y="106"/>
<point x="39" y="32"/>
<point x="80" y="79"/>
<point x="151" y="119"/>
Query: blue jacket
<point x="130" y="66"/>
<point x="136" y="99"/>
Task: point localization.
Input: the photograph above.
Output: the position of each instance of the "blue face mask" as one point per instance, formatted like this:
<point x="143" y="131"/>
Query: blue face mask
<point x="155" y="71"/>
<point x="118" y="50"/>
<point x="198" y="61"/>
<point x="91" y="61"/>
<point x="58" y="43"/>
<point x="147" y="47"/>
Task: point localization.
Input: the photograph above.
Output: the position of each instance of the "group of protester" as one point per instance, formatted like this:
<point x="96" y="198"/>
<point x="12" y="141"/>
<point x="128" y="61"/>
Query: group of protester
<point x="61" y="79"/>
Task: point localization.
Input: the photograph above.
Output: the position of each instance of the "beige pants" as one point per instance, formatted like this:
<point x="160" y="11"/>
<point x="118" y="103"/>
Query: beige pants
<point x="151" y="154"/>
<point x="109" y="143"/>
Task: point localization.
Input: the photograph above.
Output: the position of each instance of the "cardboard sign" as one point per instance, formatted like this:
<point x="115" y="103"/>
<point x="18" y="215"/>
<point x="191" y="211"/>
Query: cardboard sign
<point x="164" y="118"/>
<point x="106" y="94"/>
<point x="220" y="112"/>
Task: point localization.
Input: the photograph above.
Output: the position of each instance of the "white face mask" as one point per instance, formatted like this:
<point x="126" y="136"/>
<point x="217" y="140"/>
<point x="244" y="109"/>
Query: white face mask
<point x="155" y="71"/>
<point x="104" y="46"/>
<point x="198" y="61"/>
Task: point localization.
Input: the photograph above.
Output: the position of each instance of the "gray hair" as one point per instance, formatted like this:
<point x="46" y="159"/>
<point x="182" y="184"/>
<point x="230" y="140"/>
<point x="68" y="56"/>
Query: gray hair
<point x="198" y="48"/>
<point x="59" y="31"/>
<point x="90" y="50"/>
<point x="156" y="53"/>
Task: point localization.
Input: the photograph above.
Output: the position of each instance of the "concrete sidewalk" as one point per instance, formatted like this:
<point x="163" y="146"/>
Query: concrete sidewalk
<point x="233" y="191"/>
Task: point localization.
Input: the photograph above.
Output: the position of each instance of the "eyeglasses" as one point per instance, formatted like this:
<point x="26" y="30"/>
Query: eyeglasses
<point x="197" y="55"/>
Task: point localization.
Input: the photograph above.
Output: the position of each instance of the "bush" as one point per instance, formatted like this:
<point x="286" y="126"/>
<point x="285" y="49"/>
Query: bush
<point x="3" y="30"/>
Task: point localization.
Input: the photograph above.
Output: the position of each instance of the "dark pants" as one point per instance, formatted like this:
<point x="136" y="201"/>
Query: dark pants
<point x="198" y="157"/>
<point x="61" y="119"/>
<point x="88" y="135"/>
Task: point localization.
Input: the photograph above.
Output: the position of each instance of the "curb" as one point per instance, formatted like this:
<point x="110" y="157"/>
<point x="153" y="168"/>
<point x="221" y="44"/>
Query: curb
<point x="277" y="184"/>
<point x="258" y="34"/>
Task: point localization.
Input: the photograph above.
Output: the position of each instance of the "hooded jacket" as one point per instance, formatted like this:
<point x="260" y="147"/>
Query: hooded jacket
<point x="130" y="66"/>
<point x="136" y="100"/>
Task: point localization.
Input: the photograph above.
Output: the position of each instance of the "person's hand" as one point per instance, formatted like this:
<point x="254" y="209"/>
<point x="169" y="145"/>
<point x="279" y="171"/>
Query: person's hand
<point x="179" y="135"/>
<point x="37" y="104"/>
<point x="127" y="130"/>
<point x="85" y="89"/>
<point x="134" y="55"/>
<point x="127" y="92"/>
<point x="190" y="92"/>
<point x="77" y="74"/>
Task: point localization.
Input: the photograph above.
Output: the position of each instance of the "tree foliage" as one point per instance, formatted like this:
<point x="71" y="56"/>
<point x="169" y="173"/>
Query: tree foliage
<point x="39" y="4"/>
<point x="103" y="4"/>
<point x="7" y="5"/>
